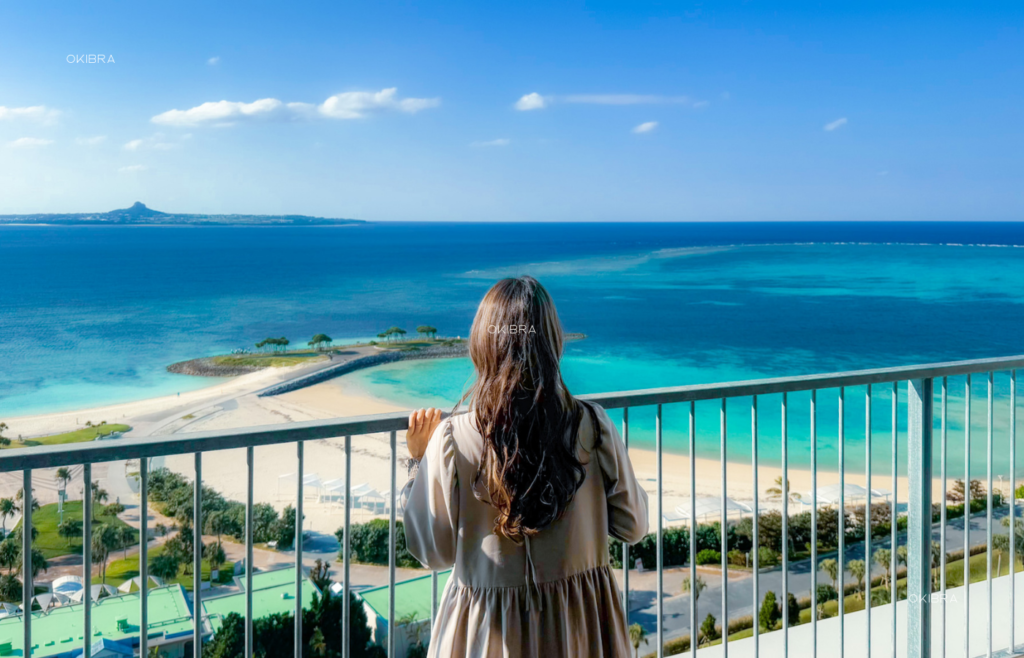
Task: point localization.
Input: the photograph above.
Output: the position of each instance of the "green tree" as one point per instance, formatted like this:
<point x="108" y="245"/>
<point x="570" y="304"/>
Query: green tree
<point x="39" y="563"/>
<point x="19" y="498"/>
<point x="776" y="492"/>
<point x="769" y="614"/>
<point x="126" y="537"/>
<point x="858" y="569"/>
<point x="637" y="634"/>
<point x="215" y="556"/>
<point x="99" y="496"/>
<point x="63" y="476"/>
<point x="319" y="341"/>
<point x="824" y="594"/>
<point x="426" y="330"/>
<point x="70" y="529"/>
<point x="883" y="558"/>
<point x="4" y="441"/>
<point x="956" y="494"/>
<point x="831" y="568"/>
<point x="10" y="553"/>
<point x="708" y="632"/>
<point x="8" y="508"/>
<point x="105" y="539"/>
<point x="793" y="609"/>
<point x="165" y="566"/>
<point x="113" y="509"/>
<point x="318" y="644"/>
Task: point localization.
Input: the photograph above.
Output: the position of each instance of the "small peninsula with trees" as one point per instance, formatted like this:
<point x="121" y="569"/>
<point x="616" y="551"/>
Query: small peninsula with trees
<point x="139" y="214"/>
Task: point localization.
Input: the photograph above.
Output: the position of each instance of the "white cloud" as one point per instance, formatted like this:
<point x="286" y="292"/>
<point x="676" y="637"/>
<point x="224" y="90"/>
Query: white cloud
<point x="134" y="145"/>
<point x="213" y="61"/>
<point x="90" y="141"/>
<point x="39" y="113"/>
<point x="493" y="142"/>
<point x="838" y="123"/>
<point x="131" y="169"/>
<point x="645" y="127"/>
<point x="532" y="101"/>
<point x="156" y="141"/>
<point x="347" y="105"/>
<point x="535" y="101"/>
<point x="29" y="142"/>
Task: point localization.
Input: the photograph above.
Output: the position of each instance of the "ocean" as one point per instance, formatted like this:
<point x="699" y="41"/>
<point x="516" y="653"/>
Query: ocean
<point x="93" y="315"/>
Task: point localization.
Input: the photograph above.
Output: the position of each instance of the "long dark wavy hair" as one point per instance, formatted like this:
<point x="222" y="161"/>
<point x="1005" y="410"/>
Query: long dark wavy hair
<point x="530" y="469"/>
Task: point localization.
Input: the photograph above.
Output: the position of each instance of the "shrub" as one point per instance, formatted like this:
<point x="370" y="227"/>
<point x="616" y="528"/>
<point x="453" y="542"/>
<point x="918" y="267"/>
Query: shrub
<point x="708" y="556"/>
<point x="10" y="588"/>
<point x="769" y="613"/>
<point x="793" y="610"/>
<point x="766" y="557"/>
<point x="738" y="558"/>
<point x="369" y="544"/>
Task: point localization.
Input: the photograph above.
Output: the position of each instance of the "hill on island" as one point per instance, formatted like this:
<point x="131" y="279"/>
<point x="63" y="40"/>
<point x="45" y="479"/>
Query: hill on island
<point x="138" y="213"/>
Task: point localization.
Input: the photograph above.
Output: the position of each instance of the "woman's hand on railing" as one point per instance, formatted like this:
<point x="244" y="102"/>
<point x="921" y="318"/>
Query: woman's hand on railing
<point x="422" y="424"/>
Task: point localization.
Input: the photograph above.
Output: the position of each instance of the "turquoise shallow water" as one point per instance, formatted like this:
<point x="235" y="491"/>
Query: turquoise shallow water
<point x="662" y="305"/>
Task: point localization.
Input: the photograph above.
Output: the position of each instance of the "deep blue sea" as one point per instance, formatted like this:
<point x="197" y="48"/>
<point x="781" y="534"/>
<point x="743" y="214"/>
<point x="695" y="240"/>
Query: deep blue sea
<point x="93" y="315"/>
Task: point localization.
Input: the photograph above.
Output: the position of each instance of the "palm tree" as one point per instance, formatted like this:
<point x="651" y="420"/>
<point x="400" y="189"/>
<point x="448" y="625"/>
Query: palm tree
<point x="10" y="551"/>
<point x="637" y="634"/>
<point x="8" y="508"/>
<point x="831" y="568"/>
<point x="858" y="569"/>
<point x="104" y="539"/>
<point x="99" y="496"/>
<point x="126" y="537"/>
<point x="883" y="557"/>
<point x="20" y="496"/>
<point x="63" y="476"/>
<point x="319" y="340"/>
<point x="698" y="587"/>
<point x="776" y="492"/>
<point x="4" y="441"/>
<point x="317" y="643"/>
<point x="215" y="556"/>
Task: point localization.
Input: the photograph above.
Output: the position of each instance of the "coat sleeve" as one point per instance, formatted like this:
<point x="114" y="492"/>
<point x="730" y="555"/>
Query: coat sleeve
<point x="627" y="501"/>
<point x="431" y="516"/>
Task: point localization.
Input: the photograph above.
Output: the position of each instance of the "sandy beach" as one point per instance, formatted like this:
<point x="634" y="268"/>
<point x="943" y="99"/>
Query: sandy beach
<point x="233" y="403"/>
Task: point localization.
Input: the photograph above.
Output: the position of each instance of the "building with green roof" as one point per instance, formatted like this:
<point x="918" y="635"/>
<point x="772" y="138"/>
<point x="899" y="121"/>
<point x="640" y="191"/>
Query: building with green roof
<point x="59" y="632"/>
<point x="272" y="592"/>
<point x="412" y="610"/>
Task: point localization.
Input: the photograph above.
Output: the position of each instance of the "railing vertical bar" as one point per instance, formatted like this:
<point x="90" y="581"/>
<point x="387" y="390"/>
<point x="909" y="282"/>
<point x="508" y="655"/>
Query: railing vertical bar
<point x="1013" y="509"/>
<point x="27" y="590"/>
<point x="197" y="555"/>
<point x="144" y="558"/>
<point x="625" y="546"/>
<point x="814" y="524"/>
<point x="300" y="476"/>
<point x="867" y="515"/>
<point x="920" y="400"/>
<point x="659" y="549"/>
<point x="942" y="521"/>
<point x="694" y="636"/>
<point x="250" y="459"/>
<point x="967" y="519"/>
<point x="785" y="525"/>
<point x="725" y="537"/>
<point x="842" y="521"/>
<point x="893" y="514"/>
<point x="988" y="513"/>
<point x="756" y="546"/>
<point x="345" y="550"/>
<point x="433" y="599"/>
<point x="87" y="560"/>
<point x="392" y="541"/>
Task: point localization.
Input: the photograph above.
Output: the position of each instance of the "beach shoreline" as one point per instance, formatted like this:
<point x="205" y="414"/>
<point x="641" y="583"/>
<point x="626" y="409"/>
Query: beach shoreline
<point x="236" y="403"/>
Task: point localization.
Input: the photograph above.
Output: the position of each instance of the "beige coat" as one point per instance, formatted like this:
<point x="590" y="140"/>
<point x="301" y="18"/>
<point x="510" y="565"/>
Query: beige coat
<point x="552" y="596"/>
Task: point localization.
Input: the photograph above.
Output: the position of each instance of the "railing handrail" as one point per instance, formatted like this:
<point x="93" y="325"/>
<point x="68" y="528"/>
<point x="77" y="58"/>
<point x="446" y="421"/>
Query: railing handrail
<point x="243" y="437"/>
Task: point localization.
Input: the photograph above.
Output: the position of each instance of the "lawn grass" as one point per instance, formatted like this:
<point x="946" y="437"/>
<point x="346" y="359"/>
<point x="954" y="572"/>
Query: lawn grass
<point x="268" y="360"/>
<point x="45" y="519"/>
<point x="120" y="570"/>
<point x="84" y="434"/>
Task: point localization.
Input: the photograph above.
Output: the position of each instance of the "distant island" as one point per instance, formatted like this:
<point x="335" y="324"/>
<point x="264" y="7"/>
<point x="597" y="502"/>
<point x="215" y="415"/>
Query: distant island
<point x="139" y="214"/>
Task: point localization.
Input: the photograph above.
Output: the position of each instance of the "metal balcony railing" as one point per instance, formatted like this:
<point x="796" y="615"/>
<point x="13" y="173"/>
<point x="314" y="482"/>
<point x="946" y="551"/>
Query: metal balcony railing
<point x="920" y="381"/>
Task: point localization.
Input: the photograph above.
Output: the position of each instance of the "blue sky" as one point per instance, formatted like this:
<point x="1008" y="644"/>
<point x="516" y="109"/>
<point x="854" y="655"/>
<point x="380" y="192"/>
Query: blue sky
<point x="518" y="111"/>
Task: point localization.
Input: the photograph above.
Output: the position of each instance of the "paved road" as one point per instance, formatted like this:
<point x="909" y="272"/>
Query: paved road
<point x="643" y="600"/>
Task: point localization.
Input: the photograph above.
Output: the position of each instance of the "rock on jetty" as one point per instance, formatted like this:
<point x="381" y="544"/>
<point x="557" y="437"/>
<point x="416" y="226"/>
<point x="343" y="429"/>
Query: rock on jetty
<point x="207" y="367"/>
